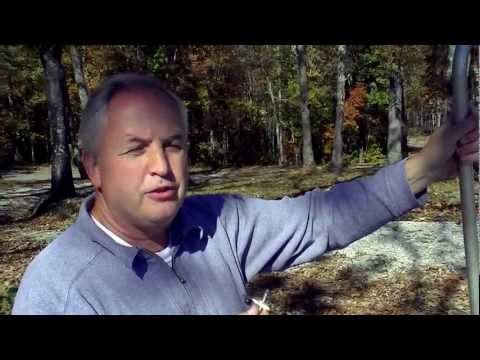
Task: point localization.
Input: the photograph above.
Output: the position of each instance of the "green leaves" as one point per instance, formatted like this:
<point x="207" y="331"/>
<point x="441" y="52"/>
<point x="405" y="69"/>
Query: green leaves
<point x="230" y="87"/>
<point x="378" y="97"/>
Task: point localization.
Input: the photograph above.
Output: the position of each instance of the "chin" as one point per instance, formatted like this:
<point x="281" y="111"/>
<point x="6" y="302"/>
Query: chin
<point x="164" y="215"/>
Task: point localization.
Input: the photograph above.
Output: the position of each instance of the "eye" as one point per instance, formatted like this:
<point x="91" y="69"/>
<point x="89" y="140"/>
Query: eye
<point x="174" y="147"/>
<point x="136" y="151"/>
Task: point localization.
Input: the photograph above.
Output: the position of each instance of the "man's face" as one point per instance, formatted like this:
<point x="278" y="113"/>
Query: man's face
<point x="141" y="168"/>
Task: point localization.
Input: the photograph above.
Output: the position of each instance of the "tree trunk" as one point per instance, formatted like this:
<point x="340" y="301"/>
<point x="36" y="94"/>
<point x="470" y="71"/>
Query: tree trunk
<point x="448" y="75"/>
<point x="79" y="76"/>
<point x="61" y="181"/>
<point x="31" y="139"/>
<point x="451" y="52"/>
<point x="33" y="150"/>
<point x="440" y="113"/>
<point x="421" y="118"/>
<point x="18" y="158"/>
<point x="170" y="59"/>
<point x="404" y="120"/>
<point x="141" y="59"/>
<point x="275" y="118"/>
<point x="212" y="145"/>
<point x="225" y="146"/>
<point x="296" y="149"/>
<point x="285" y="55"/>
<point x="307" y="150"/>
<point x="337" y="164"/>
<point x="473" y="76"/>
<point x="78" y="73"/>
<point x="395" y="121"/>
<point x="278" y="131"/>
<point x="477" y="77"/>
<point x="363" y="132"/>
<point x="269" y="145"/>
<point x="31" y="136"/>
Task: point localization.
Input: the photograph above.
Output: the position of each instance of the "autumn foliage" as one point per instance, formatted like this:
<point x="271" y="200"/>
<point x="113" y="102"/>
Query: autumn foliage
<point x="353" y="108"/>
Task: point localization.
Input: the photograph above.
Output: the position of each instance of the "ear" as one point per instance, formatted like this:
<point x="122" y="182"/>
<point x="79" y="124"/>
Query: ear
<point x="91" y="167"/>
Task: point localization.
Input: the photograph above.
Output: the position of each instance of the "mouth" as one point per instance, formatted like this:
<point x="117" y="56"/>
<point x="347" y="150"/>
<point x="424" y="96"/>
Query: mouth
<point x="163" y="193"/>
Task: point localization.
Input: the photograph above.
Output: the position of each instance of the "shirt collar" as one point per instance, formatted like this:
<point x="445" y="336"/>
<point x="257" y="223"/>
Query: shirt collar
<point x="178" y="231"/>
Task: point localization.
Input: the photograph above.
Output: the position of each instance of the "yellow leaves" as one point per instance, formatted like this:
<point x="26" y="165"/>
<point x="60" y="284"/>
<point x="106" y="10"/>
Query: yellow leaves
<point x="324" y="287"/>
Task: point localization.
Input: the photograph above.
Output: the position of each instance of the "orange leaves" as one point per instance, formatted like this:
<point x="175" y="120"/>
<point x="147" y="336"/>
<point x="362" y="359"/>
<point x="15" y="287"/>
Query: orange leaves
<point x="352" y="113"/>
<point x="354" y="105"/>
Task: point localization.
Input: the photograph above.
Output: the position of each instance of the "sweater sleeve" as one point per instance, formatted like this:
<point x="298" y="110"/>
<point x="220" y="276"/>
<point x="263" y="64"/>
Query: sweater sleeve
<point x="272" y="235"/>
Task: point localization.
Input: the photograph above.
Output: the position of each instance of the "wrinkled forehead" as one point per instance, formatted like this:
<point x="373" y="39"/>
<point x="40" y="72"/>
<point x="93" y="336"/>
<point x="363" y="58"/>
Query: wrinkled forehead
<point x="138" y="104"/>
<point x="137" y="94"/>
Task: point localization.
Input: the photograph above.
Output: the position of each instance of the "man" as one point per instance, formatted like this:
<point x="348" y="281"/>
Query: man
<point x="140" y="247"/>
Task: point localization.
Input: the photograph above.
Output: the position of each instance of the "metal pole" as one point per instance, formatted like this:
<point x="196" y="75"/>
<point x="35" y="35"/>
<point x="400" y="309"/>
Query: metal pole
<point x="460" y="109"/>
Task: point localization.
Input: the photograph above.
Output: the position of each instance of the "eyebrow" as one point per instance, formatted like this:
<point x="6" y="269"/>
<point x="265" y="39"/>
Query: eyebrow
<point x="137" y="139"/>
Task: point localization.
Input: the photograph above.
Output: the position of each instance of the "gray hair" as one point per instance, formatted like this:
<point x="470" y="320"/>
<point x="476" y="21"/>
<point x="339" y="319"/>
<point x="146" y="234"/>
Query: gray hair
<point x="94" y="116"/>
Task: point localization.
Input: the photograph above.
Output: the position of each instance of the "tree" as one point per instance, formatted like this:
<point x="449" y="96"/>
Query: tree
<point x="451" y="52"/>
<point x="26" y="130"/>
<point x="284" y="55"/>
<point x="337" y="163"/>
<point x="476" y="70"/>
<point x="79" y="76"/>
<point x="396" y="126"/>
<point x="77" y="64"/>
<point x="307" y="150"/>
<point x="61" y="178"/>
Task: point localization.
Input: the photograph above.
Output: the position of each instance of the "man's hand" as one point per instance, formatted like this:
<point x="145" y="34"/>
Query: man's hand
<point x="253" y="310"/>
<point x="256" y="310"/>
<point x="445" y="147"/>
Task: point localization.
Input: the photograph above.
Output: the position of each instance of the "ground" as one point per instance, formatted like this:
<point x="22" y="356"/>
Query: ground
<point x="325" y="286"/>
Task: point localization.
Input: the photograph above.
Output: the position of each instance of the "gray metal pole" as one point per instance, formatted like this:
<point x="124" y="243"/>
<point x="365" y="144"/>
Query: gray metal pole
<point x="460" y="109"/>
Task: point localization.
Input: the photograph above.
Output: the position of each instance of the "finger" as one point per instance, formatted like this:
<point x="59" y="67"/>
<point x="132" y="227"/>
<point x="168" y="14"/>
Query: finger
<point x="467" y="149"/>
<point x="470" y="156"/>
<point x="253" y="310"/>
<point x="469" y="137"/>
<point x="469" y="159"/>
<point x="468" y="146"/>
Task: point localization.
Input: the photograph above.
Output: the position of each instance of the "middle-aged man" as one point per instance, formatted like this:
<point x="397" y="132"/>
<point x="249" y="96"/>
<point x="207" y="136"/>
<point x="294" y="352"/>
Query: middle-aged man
<point x="140" y="246"/>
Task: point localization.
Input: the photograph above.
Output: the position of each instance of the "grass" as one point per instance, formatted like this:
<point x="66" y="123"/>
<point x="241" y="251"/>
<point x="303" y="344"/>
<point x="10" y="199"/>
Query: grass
<point x="273" y="182"/>
<point x="269" y="182"/>
<point x="7" y="296"/>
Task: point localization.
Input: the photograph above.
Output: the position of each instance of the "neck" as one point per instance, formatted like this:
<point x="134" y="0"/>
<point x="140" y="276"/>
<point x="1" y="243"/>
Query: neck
<point x="154" y="240"/>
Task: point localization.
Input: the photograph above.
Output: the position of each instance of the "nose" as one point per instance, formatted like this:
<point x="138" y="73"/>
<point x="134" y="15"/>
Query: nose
<point x="158" y="163"/>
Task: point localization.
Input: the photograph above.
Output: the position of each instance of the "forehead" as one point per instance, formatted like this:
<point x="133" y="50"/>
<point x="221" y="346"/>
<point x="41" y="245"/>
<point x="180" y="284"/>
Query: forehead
<point x="142" y="111"/>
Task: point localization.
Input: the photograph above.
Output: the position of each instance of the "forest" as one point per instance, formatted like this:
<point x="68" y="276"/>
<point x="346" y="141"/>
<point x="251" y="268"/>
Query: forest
<point x="292" y="104"/>
<point x="264" y="112"/>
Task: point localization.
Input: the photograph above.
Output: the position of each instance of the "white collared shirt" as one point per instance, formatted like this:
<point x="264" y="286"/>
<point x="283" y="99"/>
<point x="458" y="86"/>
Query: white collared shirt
<point x="165" y="254"/>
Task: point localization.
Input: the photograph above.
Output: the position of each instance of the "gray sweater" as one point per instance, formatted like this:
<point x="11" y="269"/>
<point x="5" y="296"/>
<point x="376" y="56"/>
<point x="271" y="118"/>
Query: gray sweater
<point x="220" y="242"/>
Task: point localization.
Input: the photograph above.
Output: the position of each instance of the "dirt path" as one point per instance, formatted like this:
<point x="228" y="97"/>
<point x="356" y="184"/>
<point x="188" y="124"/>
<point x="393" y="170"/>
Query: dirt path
<point x="28" y="174"/>
<point x="22" y="187"/>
